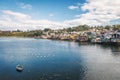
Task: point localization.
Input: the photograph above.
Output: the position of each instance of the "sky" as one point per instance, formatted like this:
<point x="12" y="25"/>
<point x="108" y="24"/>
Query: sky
<point x="57" y="14"/>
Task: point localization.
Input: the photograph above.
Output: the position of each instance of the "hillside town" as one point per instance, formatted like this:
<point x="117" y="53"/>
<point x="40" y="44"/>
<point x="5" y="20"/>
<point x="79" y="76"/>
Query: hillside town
<point x="94" y="35"/>
<point x="83" y="33"/>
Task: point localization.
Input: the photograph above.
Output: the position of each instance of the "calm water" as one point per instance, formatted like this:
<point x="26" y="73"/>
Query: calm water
<point x="57" y="60"/>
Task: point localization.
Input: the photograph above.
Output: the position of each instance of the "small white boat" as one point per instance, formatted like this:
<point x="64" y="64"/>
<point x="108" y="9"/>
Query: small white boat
<point x="19" y="68"/>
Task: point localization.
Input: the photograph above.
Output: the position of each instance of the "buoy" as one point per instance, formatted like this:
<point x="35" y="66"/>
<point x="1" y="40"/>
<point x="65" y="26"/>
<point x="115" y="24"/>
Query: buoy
<point x="19" y="68"/>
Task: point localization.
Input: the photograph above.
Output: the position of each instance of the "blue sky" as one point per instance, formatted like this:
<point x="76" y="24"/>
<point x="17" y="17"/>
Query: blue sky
<point x="41" y="9"/>
<point x="40" y="14"/>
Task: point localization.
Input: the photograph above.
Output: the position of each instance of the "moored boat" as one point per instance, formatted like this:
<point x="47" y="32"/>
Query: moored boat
<point x="19" y="68"/>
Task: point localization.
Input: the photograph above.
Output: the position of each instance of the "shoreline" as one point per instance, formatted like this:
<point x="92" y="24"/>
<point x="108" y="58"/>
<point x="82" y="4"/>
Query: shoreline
<point x="68" y="40"/>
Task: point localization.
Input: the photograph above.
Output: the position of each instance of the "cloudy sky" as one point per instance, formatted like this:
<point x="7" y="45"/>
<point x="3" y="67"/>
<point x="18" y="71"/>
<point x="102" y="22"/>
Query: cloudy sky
<point x="55" y="14"/>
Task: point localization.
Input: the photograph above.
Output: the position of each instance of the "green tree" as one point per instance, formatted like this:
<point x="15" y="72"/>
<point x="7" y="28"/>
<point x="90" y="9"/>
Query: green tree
<point x="47" y="29"/>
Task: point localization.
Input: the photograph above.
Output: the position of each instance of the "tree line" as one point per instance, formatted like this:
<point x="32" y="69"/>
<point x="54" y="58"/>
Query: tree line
<point x="33" y="33"/>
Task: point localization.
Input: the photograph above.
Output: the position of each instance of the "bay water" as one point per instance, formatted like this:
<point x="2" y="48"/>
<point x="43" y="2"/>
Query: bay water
<point x="57" y="60"/>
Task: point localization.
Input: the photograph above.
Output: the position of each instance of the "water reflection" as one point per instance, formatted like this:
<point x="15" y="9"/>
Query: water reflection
<point x="42" y="60"/>
<point x="57" y="60"/>
<point x="102" y="61"/>
<point x="115" y="50"/>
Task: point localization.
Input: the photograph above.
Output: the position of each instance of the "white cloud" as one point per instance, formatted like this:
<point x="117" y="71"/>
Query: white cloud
<point x="77" y="16"/>
<point x="13" y="20"/>
<point x="73" y="7"/>
<point x="25" y="6"/>
<point x="98" y="12"/>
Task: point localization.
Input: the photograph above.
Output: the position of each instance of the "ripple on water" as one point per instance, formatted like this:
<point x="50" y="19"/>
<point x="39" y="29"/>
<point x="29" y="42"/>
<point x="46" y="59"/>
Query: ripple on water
<point x="56" y="60"/>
